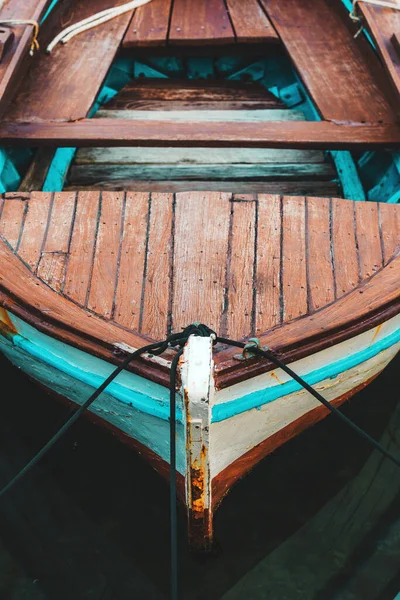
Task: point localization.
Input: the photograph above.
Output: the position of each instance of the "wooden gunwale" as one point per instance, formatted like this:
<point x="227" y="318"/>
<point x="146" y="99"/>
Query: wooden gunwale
<point x="31" y="299"/>
<point x="279" y="134"/>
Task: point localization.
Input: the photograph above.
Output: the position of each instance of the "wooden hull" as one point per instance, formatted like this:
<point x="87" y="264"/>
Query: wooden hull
<point x="220" y="440"/>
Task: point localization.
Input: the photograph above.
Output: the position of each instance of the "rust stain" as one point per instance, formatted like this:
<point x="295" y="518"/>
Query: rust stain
<point x="7" y="327"/>
<point x="377" y="330"/>
<point x="198" y="475"/>
<point x="275" y="376"/>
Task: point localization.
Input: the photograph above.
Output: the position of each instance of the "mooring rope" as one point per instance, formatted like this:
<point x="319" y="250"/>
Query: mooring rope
<point x="102" y="17"/>
<point x="177" y="341"/>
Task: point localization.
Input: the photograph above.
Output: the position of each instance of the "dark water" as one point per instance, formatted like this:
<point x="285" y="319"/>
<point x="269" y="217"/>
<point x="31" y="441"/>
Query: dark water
<point x="93" y="522"/>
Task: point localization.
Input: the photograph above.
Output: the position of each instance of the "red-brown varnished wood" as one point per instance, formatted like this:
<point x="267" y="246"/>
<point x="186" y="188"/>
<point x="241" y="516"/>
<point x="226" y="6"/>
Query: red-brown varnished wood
<point x="328" y="135"/>
<point x="384" y="23"/>
<point x="157" y="282"/>
<point x="149" y="25"/>
<point x="345" y="257"/>
<point x="200" y="22"/>
<point x="73" y="74"/>
<point x="294" y="266"/>
<point x="128" y="297"/>
<point x="12" y="218"/>
<point x="389" y="227"/>
<point x="342" y="74"/>
<point x="80" y="260"/>
<point x="105" y="260"/>
<point x="368" y="239"/>
<point x="241" y="268"/>
<point x="250" y="22"/>
<point x="53" y="258"/>
<point x="200" y="258"/>
<point x="320" y="277"/>
<point x="34" y="228"/>
<point x="268" y="279"/>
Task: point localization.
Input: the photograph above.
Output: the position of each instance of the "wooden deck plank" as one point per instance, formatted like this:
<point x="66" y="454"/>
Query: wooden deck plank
<point x="53" y="258"/>
<point x="73" y="74"/>
<point x="17" y="60"/>
<point x="294" y="300"/>
<point x="250" y="23"/>
<point x="116" y="132"/>
<point x="80" y="257"/>
<point x="156" y="297"/>
<point x="128" y="297"/>
<point x="105" y="261"/>
<point x="384" y="23"/>
<point x="240" y="276"/>
<point x="12" y="220"/>
<point x="34" y="228"/>
<point x="200" y="261"/>
<point x="345" y="256"/>
<point x="200" y="116"/>
<point x="318" y="37"/>
<point x="319" y="257"/>
<point x="149" y="25"/>
<point x="390" y="225"/>
<point x="368" y="239"/>
<point x="268" y="279"/>
<point x="210" y="26"/>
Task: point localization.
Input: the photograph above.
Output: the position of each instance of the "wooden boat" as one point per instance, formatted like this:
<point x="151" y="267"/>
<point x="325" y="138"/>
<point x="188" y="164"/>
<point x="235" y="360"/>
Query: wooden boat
<point x="210" y="189"/>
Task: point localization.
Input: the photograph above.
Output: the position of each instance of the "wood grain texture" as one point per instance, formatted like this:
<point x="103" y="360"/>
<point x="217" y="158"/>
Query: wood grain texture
<point x="105" y="260"/>
<point x="149" y="25"/>
<point x="200" y="260"/>
<point x="34" y="228"/>
<point x="157" y="284"/>
<point x="12" y="218"/>
<point x="268" y="280"/>
<point x="321" y="287"/>
<point x="116" y="132"/>
<point x="240" y="276"/>
<point x="83" y="237"/>
<point x="384" y="23"/>
<point x="128" y="297"/>
<point x="250" y="23"/>
<point x="37" y="172"/>
<point x="389" y="217"/>
<point x="368" y="239"/>
<point x="211" y="25"/>
<point x="294" y="300"/>
<point x="345" y="256"/>
<point x="320" y="42"/>
<point x="74" y="73"/>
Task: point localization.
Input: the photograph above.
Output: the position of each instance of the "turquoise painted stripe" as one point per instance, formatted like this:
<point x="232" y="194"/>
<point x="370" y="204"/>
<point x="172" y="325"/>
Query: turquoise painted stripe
<point x="135" y="399"/>
<point x="52" y="5"/>
<point x="220" y="412"/>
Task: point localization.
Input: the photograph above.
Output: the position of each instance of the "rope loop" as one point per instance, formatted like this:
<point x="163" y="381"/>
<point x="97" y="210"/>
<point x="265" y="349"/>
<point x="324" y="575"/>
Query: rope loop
<point x="35" y="42"/>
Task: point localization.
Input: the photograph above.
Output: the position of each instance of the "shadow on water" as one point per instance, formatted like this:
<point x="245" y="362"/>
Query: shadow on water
<point x="92" y="522"/>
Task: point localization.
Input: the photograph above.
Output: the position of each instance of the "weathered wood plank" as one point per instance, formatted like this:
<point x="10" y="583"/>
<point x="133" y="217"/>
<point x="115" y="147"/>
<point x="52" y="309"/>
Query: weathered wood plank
<point x="128" y="297"/>
<point x="344" y="248"/>
<point x="17" y="60"/>
<point x="318" y="250"/>
<point x="88" y="174"/>
<point x="383" y="24"/>
<point x="37" y="171"/>
<point x="198" y="156"/>
<point x="34" y="228"/>
<point x="294" y="301"/>
<point x="156" y="296"/>
<point x="390" y="230"/>
<point x="268" y="280"/>
<point x="80" y="257"/>
<point x="180" y="105"/>
<point x="74" y="73"/>
<point x="105" y="260"/>
<point x="200" y="261"/>
<point x="318" y="38"/>
<point x="200" y="116"/>
<point x="211" y="25"/>
<point x="250" y="22"/>
<point x="120" y="132"/>
<point x="12" y="220"/>
<point x="53" y="258"/>
<point x="368" y="239"/>
<point x="240" y="275"/>
<point x="149" y="25"/>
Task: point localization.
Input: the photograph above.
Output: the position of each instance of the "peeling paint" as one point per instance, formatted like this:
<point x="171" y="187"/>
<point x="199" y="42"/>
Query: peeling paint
<point x="7" y="327"/>
<point x="376" y="333"/>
